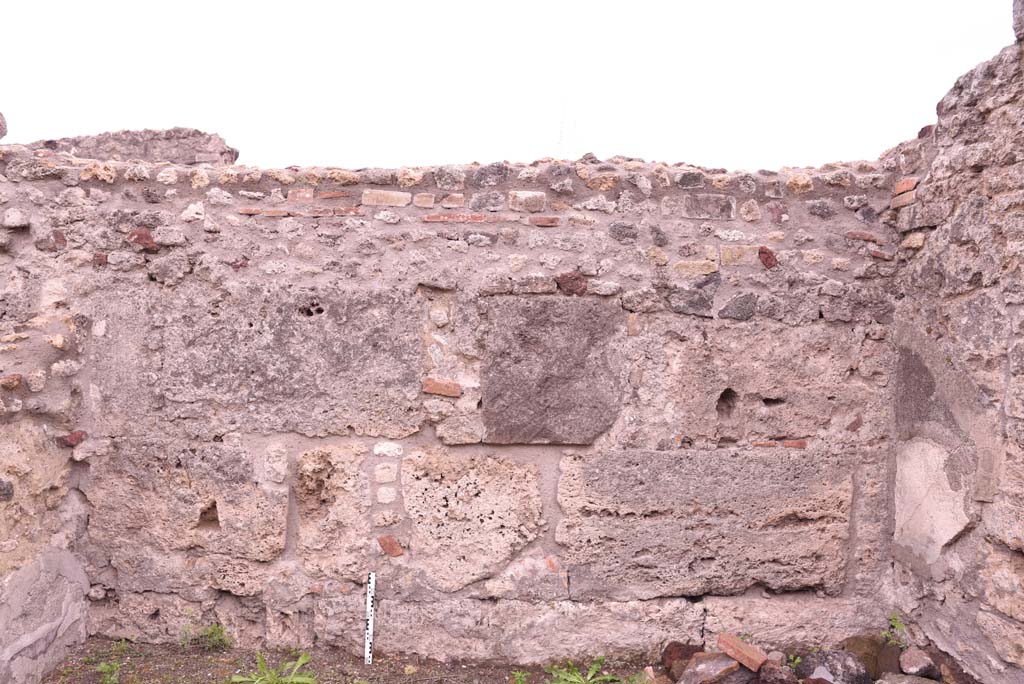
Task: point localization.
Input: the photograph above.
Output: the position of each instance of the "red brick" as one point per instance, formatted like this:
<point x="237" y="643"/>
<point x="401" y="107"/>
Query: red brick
<point x="881" y="254"/>
<point x="794" y="443"/>
<point x="445" y="388"/>
<point x="675" y="651"/>
<point x="300" y="194"/>
<point x="143" y="239"/>
<point x="312" y="212"/>
<point x="748" y="655"/>
<point x="571" y="283"/>
<point x="546" y="221"/>
<point x="10" y="382"/>
<point x="764" y="444"/>
<point x="72" y="438"/>
<point x="905" y="185"/>
<point x="864" y="236"/>
<point x="767" y="257"/>
<point x="99" y="259"/>
<point x="906" y="199"/>
<point x="423" y="200"/>
<point x="274" y="213"/>
<point x="334" y="194"/>
<point x="455" y="218"/>
<point x="250" y="211"/>
<point x="390" y="546"/>
<point x="453" y="200"/>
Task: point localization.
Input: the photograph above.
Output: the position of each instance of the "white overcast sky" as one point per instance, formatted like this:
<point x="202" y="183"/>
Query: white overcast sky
<point x="742" y="84"/>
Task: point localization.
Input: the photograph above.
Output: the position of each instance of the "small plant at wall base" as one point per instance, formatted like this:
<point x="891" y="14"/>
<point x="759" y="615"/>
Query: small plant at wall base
<point x="520" y="677"/>
<point x="110" y="672"/>
<point x="570" y="674"/>
<point x="214" y="638"/>
<point x="120" y="648"/>
<point x="290" y="672"/>
<point x="793" y="662"/>
<point x="210" y="638"/>
<point x="897" y="630"/>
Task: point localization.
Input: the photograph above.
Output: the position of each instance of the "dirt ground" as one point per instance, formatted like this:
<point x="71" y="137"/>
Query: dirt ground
<point x="166" y="664"/>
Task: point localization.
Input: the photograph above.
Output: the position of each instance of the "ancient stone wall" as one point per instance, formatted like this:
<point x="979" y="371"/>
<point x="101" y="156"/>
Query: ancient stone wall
<point x="598" y="393"/>
<point x="959" y="469"/>
<point x="561" y="408"/>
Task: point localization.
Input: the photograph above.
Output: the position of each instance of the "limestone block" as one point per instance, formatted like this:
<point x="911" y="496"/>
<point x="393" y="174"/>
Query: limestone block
<point x="322" y="361"/>
<point x="699" y="206"/>
<point x="1003" y="517"/>
<point x="712" y="383"/>
<point x="1003" y="579"/>
<point x="33" y="480"/>
<point x="782" y="621"/>
<point x="643" y="524"/>
<point x="148" y="617"/>
<point x="1007" y="636"/>
<point x="333" y="498"/>
<point x="929" y="510"/>
<point x="469" y="515"/>
<point x="551" y="369"/>
<point x="151" y="496"/>
<point x="42" y="615"/>
<point x="512" y="631"/>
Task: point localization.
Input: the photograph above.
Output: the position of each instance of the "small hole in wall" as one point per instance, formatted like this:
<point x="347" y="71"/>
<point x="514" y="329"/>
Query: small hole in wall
<point x="312" y="309"/>
<point x="155" y="615"/>
<point x="726" y="403"/>
<point x="771" y="401"/>
<point x="208" y="518"/>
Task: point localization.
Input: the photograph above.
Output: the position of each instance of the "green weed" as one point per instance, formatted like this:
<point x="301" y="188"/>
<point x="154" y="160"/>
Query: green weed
<point x="894" y="636"/>
<point x="110" y="672"/>
<point x="289" y="672"/>
<point x="570" y="674"/>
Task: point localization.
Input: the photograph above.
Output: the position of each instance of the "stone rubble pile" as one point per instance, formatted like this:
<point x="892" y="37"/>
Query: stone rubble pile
<point x="859" y="660"/>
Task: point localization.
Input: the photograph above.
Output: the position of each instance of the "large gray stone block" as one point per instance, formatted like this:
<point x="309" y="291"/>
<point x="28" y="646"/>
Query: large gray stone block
<point x="551" y="372"/>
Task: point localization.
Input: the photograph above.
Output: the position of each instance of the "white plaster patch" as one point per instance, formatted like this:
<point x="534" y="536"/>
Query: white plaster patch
<point x="929" y="513"/>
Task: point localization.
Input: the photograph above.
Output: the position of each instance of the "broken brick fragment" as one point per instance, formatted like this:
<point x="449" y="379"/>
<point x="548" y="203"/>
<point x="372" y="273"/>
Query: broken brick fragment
<point x="864" y="236"/>
<point x="143" y="239"/>
<point x="72" y="439"/>
<point x="545" y="221"/>
<point x="390" y="546"/>
<point x="748" y="655"/>
<point x="445" y="388"/>
<point x="571" y="283"/>
<point x="904" y="185"/>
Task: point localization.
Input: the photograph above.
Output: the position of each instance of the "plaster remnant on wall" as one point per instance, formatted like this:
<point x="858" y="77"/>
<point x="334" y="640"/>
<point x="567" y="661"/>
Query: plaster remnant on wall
<point x="929" y="511"/>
